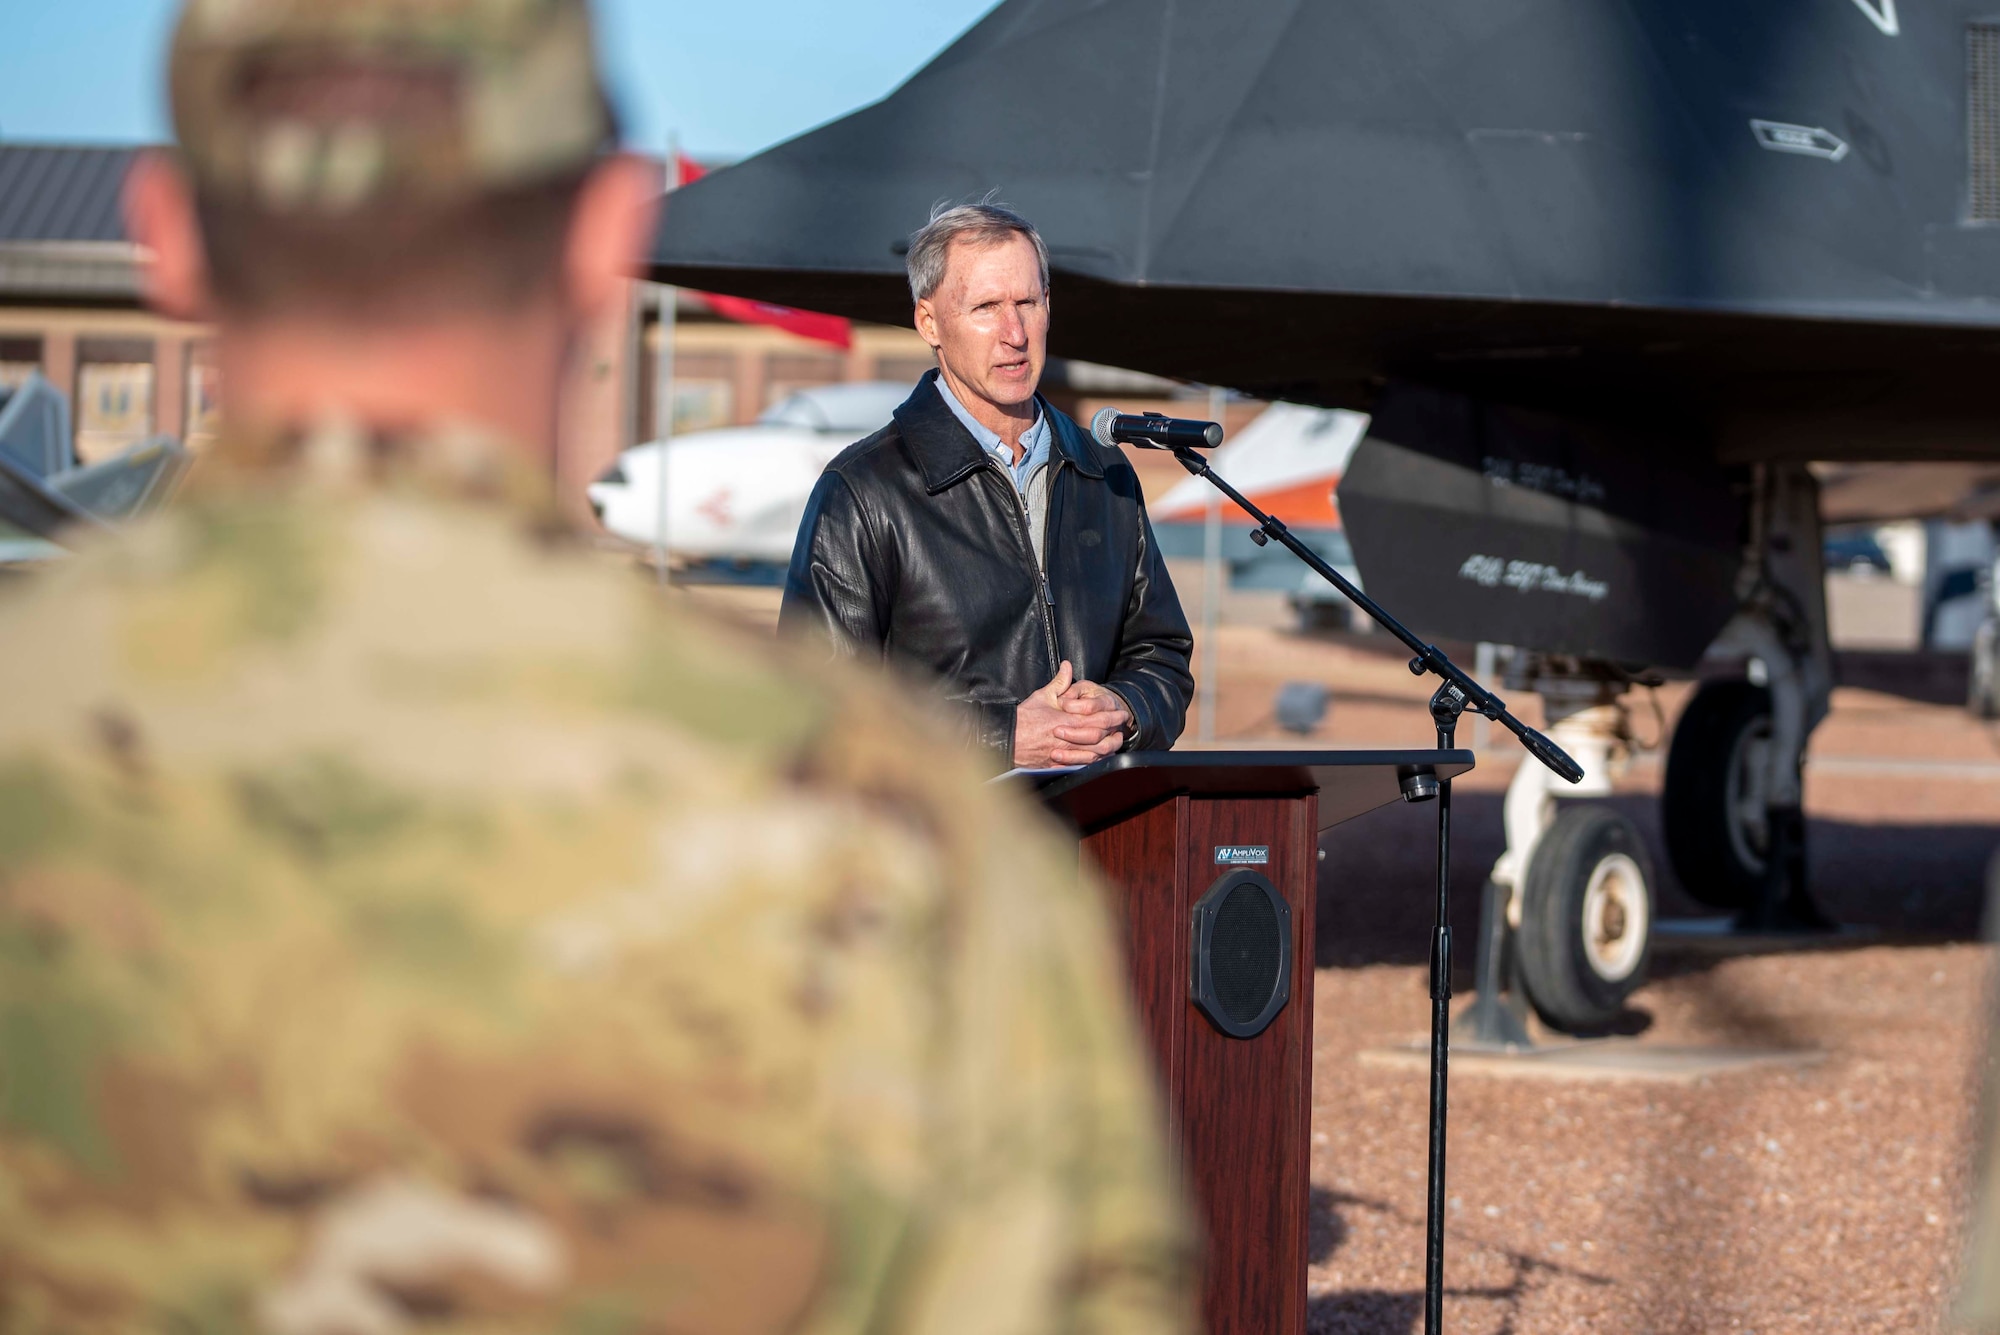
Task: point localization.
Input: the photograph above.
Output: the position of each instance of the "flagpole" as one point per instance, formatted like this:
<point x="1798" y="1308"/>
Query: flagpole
<point x="663" y="379"/>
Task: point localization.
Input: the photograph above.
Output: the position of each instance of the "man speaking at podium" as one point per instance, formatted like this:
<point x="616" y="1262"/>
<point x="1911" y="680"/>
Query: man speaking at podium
<point x="984" y="538"/>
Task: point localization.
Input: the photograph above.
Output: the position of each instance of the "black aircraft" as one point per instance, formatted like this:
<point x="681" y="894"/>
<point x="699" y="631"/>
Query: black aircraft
<point x="1607" y="273"/>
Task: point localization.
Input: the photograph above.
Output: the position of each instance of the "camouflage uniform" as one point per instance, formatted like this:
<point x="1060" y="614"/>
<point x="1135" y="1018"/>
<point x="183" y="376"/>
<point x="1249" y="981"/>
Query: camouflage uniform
<point x="406" y="922"/>
<point x="519" y="78"/>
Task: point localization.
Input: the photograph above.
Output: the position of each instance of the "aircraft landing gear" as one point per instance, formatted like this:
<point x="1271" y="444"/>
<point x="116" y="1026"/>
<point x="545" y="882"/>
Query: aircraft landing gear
<point x="1735" y="843"/>
<point x="1982" y="695"/>
<point x="1567" y="926"/>
<point x="1716" y="799"/>
<point x="1732" y="801"/>
<point x="1566" y="922"/>
<point x="1586" y="915"/>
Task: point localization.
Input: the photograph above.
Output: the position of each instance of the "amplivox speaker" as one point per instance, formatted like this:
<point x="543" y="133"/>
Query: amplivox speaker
<point x="1241" y="974"/>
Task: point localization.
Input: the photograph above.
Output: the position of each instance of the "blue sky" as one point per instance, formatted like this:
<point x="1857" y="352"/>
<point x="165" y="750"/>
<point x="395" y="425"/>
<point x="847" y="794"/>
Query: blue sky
<point x="728" y="76"/>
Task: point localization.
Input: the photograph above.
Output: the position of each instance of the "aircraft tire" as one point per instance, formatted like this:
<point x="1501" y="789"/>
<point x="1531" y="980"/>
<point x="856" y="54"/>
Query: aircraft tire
<point x="1983" y="687"/>
<point x="1712" y="836"/>
<point x="1586" y="918"/>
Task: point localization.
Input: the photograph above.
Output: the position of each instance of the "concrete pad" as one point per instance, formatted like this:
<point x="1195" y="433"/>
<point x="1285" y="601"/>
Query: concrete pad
<point x="1596" y="1059"/>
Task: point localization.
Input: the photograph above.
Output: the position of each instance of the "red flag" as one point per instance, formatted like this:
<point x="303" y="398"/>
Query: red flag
<point x="806" y="324"/>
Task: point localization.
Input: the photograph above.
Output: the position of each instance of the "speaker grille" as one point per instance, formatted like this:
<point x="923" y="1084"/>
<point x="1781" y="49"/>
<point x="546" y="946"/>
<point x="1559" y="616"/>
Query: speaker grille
<point x="1982" y="120"/>
<point x="1241" y="972"/>
<point x="1245" y="952"/>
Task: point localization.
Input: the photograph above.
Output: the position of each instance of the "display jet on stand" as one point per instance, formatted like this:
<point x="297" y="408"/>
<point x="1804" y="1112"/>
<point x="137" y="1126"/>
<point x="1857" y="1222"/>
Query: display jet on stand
<point x="1606" y="275"/>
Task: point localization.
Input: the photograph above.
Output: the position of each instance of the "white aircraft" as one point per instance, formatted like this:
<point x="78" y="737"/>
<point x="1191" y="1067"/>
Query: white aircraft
<point x="1287" y="462"/>
<point x="736" y="495"/>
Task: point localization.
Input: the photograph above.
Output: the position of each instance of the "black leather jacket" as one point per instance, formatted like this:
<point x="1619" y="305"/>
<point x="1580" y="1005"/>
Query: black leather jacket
<point x="915" y="546"/>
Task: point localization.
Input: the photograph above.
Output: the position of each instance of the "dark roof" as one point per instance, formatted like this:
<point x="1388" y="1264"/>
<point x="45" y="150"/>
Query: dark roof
<point x="60" y="192"/>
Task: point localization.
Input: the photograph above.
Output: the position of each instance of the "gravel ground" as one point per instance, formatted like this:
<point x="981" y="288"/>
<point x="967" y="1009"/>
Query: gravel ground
<point x="1827" y="1198"/>
<point x="1823" y="1199"/>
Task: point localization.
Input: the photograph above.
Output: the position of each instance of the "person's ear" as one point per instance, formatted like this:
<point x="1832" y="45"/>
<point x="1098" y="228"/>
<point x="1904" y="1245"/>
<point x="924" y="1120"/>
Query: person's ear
<point x="926" y="321"/>
<point x="611" y="231"/>
<point x="160" y="218"/>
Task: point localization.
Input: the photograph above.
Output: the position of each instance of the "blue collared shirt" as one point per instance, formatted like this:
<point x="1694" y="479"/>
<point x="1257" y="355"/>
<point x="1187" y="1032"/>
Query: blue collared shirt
<point x="1034" y="441"/>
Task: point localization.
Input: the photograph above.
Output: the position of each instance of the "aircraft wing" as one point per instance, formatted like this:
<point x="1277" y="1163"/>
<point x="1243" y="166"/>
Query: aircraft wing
<point x="127" y="485"/>
<point x="29" y="504"/>
<point x="1772" y="222"/>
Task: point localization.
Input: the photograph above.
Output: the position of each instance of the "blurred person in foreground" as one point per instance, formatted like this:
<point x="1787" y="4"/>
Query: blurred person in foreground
<point x="984" y="539"/>
<point x="407" y="924"/>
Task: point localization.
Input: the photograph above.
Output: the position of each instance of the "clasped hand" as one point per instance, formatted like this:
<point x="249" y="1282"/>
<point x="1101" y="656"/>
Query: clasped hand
<point x="1070" y="721"/>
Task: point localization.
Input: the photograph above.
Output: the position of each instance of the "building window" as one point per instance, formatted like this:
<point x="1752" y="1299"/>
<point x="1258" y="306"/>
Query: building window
<point x="114" y="395"/>
<point x="204" y="398"/>
<point x="704" y="392"/>
<point x="19" y="358"/>
<point x="703" y="405"/>
<point x="788" y="373"/>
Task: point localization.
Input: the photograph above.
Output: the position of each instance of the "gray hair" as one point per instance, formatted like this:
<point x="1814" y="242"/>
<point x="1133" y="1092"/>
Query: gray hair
<point x="984" y="223"/>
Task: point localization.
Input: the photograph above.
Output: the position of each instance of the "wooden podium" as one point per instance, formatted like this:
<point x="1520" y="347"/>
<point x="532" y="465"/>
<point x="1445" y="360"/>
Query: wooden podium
<point x="1214" y="860"/>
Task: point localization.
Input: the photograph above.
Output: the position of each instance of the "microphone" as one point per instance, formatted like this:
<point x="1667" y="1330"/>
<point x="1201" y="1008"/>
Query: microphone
<point x="1546" y="751"/>
<point x="1153" y="431"/>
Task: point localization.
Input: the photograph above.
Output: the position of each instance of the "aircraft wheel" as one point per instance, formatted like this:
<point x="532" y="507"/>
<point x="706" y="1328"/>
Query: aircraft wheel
<point x="1586" y="918"/>
<point x="1983" y="692"/>
<point x="1713" y="803"/>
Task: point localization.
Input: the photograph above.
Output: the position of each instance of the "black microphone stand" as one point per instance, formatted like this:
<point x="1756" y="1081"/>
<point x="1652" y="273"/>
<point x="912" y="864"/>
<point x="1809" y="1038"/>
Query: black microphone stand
<point x="1456" y="693"/>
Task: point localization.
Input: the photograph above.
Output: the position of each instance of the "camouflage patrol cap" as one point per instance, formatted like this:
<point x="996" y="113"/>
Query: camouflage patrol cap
<point x="326" y="105"/>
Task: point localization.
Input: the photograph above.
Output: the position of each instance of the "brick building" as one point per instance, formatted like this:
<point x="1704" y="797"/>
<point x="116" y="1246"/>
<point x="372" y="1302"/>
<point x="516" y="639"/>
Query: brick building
<point x="70" y="306"/>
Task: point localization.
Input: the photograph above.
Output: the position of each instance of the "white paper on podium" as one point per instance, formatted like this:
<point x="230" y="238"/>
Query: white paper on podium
<point x="1020" y="773"/>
